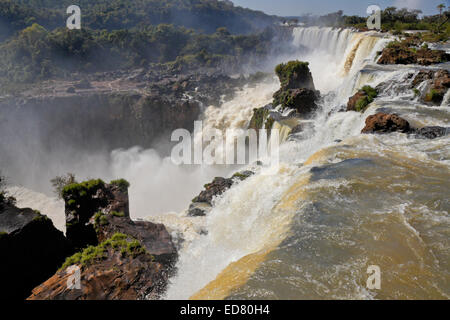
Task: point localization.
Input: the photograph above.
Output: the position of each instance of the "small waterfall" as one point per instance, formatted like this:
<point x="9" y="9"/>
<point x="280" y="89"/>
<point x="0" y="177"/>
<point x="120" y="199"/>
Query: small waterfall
<point x="50" y="206"/>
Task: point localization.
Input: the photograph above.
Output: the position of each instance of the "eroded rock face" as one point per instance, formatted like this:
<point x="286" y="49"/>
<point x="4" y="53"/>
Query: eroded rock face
<point x="351" y="104"/>
<point x="31" y="250"/>
<point x="302" y="100"/>
<point x="113" y="276"/>
<point x="117" y="258"/>
<point x="218" y="186"/>
<point x="438" y="82"/>
<point x="432" y="132"/>
<point x="385" y="123"/>
<point x="405" y="55"/>
<point x="95" y="211"/>
<point x="297" y="88"/>
<point x="202" y="204"/>
<point x="154" y="237"/>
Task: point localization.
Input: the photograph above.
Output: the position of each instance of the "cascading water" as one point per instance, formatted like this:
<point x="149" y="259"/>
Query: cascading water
<point x="311" y="227"/>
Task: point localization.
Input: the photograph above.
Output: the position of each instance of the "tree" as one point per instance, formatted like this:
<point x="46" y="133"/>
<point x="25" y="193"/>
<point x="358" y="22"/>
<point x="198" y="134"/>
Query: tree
<point x="441" y="7"/>
<point x="60" y="182"/>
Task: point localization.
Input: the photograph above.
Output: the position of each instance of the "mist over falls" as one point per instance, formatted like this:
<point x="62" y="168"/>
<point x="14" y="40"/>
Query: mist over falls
<point x="338" y="202"/>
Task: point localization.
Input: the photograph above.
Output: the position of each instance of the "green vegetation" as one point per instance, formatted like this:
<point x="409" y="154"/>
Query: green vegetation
<point x="363" y="102"/>
<point x="434" y="96"/>
<point x="60" y="182"/>
<point x="286" y="71"/>
<point x="122" y="184"/>
<point x="35" y="45"/>
<point x="3" y="234"/>
<point x="200" y="15"/>
<point x="416" y="92"/>
<point x="127" y="246"/>
<point x="117" y="214"/>
<point x="260" y="119"/>
<point x="38" y="54"/>
<point x="100" y="219"/>
<point x="40" y="218"/>
<point x="394" y="20"/>
<point x="84" y="189"/>
<point x="4" y="198"/>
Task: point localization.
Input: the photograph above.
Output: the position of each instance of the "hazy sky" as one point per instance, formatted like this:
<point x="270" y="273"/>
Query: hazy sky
<point x="300" y="7"/>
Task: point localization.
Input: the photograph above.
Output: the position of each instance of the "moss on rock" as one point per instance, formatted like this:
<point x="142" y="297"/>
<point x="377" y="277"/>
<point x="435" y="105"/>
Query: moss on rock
<point x="127" y="246"/>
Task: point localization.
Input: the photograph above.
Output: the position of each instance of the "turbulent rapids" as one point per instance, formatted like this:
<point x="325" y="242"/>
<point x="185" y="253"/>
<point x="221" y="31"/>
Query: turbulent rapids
<point x="338" y="202"/>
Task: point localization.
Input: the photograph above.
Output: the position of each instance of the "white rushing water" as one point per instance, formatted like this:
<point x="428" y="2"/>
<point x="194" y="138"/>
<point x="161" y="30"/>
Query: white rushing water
<point x="243" y="220"/>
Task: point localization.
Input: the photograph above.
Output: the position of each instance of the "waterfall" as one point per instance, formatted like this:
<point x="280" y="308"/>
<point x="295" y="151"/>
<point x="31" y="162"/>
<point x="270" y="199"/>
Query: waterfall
<point x="241" y="226"/>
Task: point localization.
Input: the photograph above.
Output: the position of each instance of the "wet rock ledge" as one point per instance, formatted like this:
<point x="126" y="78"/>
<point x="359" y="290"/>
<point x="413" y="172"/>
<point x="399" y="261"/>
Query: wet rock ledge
<point x="116" y="257"/>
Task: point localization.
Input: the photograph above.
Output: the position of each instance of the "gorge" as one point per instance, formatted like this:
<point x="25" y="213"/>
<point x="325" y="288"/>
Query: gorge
<point x="338" y="201"/>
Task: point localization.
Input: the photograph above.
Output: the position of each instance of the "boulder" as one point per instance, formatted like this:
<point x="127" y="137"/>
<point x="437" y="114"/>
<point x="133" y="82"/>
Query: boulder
<point x="302" y="100"/>
<point x="31" y="250"/>
<point x="218" y="186"/>
<point x="154" y="237"/>
<point x="397" y="56"/>
<point x="118" y="269"/>
<point x="297" y="88"/>
<point x="438" y="82"/>
<point x="361" y="99"/>
<point x="432" y="132"/>
<point x="202" y="204"/>
<point x="295" y="75"/>
<point x="385" y="123"/>
<point x="403" y="53"/>
<point x="351" y="104"/>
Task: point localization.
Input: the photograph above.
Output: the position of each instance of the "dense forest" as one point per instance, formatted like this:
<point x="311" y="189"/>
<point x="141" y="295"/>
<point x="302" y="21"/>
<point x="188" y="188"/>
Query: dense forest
<point x="392" y="19"/>
<point x="201" y="15"/>
<point x="179" y="34"/>
<point x="175" y="34"/>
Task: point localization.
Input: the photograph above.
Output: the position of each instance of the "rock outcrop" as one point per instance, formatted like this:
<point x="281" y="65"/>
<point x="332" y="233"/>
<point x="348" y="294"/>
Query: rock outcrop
<point x="385" y="123"/>
<point x="96" y="210"/>
<point x="202" y="204"/>
<point x="117" y="258"/>
<point x="117" y="269"/>
<point x="361" y="99"/>
<point x="297" y="88"/>
<point x="404" y="53"/>
<point x="431" y="132"/>
<point x="437" y="84"/>
<point x="31" y="250"/>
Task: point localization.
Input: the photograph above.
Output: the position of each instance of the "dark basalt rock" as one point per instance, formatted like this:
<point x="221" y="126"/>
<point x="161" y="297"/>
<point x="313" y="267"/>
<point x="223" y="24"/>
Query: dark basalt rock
<point x="302" y="100"/>
<point x="154" y="237"/>
<point x="202" y="204"/>
<point x="218" y="186"/>
<point x="297" y="88"/>
<point x="118" y="258"/>
<point x="31" y="250"/>
<point x="432" y="132"/>
<point x="385" y="123"/>
<point x="96" y="210"/>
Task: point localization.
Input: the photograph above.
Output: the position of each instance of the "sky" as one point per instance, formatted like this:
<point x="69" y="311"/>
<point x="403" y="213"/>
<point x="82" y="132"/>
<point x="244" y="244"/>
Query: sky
<point x="350" y="7"/>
